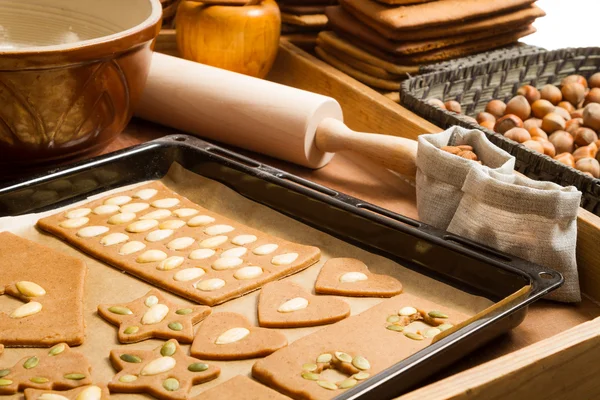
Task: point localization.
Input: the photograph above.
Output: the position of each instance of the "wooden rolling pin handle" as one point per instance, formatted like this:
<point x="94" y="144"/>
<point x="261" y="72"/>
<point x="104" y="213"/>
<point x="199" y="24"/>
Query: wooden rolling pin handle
<point x="395" y="153"/>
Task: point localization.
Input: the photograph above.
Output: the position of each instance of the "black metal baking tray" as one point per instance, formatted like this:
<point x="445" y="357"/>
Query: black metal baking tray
<point x="443" y="256"/>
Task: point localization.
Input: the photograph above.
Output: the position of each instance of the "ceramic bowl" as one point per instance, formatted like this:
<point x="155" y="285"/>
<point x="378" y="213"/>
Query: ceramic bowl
<point x="71" y="72"/>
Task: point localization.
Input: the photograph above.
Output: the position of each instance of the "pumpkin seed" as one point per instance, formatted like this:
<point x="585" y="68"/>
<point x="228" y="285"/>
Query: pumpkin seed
<point x="59" y="348"/>
<point x="361" y="376"/>
<point x="431" y="332"/>
<point x="183" y="311"/>
<point x="324" y="358"/>
<point x="197" y="367"/>
<point x="39" y="379"/>
<point x="413" y="336"/>
<point x="171" y="384"/>
<point x="120" y="310"/>
<point x="395" y="328"/>
<point x="310" y="367"/>
<point x="128" y="378"/>
<point x="4" y="372"/>
<point x="130" y="358"/>
<point x="347" y="383"/>
<point x="327" y="385"/>
<point x="75" y="377"/>
<point x="444" y="327"/>
<point x="168" y="349"/>
<point x="344" y="357"/>
<point x="5" y="382"/>
<point x="361" y="363"/>
<point x="393" y="318"/>
<point x="311" y="376"/>
<point x="175" y="326"/>
<point x="131" y="329"/>
<point x="437" y="314"/>
<point x="31" y="362"/>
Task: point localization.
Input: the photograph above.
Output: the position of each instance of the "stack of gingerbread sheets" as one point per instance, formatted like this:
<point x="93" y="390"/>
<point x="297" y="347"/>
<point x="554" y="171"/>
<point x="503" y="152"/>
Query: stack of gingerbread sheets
<point x="380" y="42"/>
<point x="302" y="20"/>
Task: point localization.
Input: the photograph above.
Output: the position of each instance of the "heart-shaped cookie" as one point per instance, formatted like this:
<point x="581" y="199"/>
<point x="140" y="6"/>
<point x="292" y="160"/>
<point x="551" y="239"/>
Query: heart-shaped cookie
<point x="351" y="277"/>
<point x="230" y="336"/>
<point x="286" y="305"/>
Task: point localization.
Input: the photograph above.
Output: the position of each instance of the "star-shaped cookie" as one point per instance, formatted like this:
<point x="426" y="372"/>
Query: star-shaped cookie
<point x="153" y="316"/>
<point x="166" y="372"/>
<point x="351" y="277"/>
<point x="59" y="367"/>
<point x="92" y="392"/>
<point x="284" y="304"/>
<point x="230" y="336"/>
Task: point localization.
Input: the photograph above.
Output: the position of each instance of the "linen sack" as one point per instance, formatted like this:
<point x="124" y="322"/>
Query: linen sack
<point x="440" y="175"/>
<point x="536" y="221"/>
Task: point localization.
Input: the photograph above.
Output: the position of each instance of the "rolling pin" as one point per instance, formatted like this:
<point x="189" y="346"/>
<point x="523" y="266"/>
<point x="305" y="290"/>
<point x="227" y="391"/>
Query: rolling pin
<point x="265" y="117"/>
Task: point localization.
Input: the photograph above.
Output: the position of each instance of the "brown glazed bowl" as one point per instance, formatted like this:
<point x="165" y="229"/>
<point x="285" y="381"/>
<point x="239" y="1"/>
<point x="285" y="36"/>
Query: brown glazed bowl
<point x="71" y="72"/>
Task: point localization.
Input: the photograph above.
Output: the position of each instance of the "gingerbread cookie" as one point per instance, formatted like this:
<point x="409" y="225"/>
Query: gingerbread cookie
<point x="240" y="388"/>
<point x="286" y="305"/>
<point x="50" y="284"/>
<point x="302" y="10"/>
<point x="153" y="316"/>
<point x="56" y="368"/>
<point x="328" y="362"/>
<point x="166" y="372"/>
<point x="165" y="239"/>
<point x="351" y="277"/>
<point x="310" y="20"/>
<point x="230" y="336"/>
<point x="92" y="392"/>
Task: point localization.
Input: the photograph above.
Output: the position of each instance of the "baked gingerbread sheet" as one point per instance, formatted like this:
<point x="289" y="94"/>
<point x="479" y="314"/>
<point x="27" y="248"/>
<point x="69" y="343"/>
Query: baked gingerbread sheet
<point x="108" y="285"/>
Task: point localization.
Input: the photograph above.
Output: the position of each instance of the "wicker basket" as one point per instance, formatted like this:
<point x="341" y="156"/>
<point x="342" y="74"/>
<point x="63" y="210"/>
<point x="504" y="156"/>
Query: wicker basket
<point x="476" y="85"/>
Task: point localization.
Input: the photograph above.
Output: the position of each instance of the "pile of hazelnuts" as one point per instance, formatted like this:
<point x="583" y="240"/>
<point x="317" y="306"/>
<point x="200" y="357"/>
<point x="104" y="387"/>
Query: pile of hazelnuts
<point x="561" y="122"/>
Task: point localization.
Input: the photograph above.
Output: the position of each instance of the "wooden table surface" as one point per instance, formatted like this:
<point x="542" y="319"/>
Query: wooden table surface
<point x="360" y="178"/>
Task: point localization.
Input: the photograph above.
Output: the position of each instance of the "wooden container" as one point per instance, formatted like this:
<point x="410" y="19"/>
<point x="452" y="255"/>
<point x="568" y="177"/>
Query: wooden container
<point x="560" y="366"/>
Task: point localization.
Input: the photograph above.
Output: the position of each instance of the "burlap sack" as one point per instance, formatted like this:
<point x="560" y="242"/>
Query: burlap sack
<point x="441" y="175"/>
<point x="536" y="221"/>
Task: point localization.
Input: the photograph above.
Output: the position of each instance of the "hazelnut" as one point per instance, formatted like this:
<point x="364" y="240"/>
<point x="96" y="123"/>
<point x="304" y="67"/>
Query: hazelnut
<point x="573" y="92"/>
<point x="549" y="149"/>
<point x="532" y="122"/>
<point x="488" y="124"/>
<point x="591" y="116"/>
<point x="508" y="122"/>
<point x="585" y="152"/>
<point x="469" y="155"/>
<point x="537" y="132"/>
<point x="567" y="106"/>
<point x="572" y="125"/>
<point x="454" y="106"/>
<point x="436" y="103"/>
<point x="518" y="106"/>
<point x="539" y="139"/>
<point x="496" y="108"/>
<point x="594" y="80"/>
<point x="574" y="79"/>
<point x="534" y="145"/>
<point x="451" y="149"/>
<point x="553" y="122"/>
<point x="566" y="158"/>
<point x="519" y="135"/>
<point x="592" y="97"/>
<point x="584" y="136"/>
<point x="590" y="165"/>
<point x="470" y="119"/>
<point x="577" y="113"/>
<point x="562" y="141"/>
<point x="542" y="107"/>
<point x="529" y="92"/>
<point x="551" y="93"/>
<point x="485" y="116"/>
<point x="563" y="113"/>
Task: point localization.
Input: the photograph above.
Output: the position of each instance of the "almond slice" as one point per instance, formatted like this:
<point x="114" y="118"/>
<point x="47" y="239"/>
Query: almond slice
<point x="78" y="213"/>
<point x="145" y="194"/>
<point x="165" y="203"/>
<point x="118" y="200"/>
<point x="232" y="335"/>
<point x="92" y="231"/>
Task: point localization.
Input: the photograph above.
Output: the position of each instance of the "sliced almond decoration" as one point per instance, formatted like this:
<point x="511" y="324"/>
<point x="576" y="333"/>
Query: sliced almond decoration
<point x="265" y="249"/>
<point x="226" y="263"/>
<point x="151" y="301"/>
<point x="106" y="209"/>
<point x="200" y="220"/>
<point x="351" y="277"/>
<point x="118" y="200"/>
<point x="157" y="214"/>
<point x="201" y="254"/>
<point x="159" y="366"/>
<point x="232" y="335"/>
<point x="121" y="218"/>
<point x="155" y="314"/>
<point x="78" y="213"/>
<point x="213" y="242"/>
<point x="31" y="308"/>
<point x="295" y="304"/>
<point x="218" y="229"/>
<point x="172" y="224"/>
<point x="209" y="285"/>
<point x="114" y="238"/>
<point x="142" y="226"/>
<point x="131" y="247"/>
<point x="134" y="207"/>
<point x="185" y="212"/>
<point x="90" y="393"/>
<point x="188" y="274"/>
<point x="242" y="240"/>
<point x="170" y="263"/>
<point x="145" y="194"/>
<point x="158" y="235"/>
<point x="151" y="256"/>
<point x="284" y="259"/>
<point x="246" y="272"/>
<point x="181" y="243"/>
<point x="165" y="203"/>
<point x="92" y="231"/>
<point x="30" y="289"/>
<point x="406" y="311"/>
<point x="235" y="252"/>
<point x="74" y="222"/>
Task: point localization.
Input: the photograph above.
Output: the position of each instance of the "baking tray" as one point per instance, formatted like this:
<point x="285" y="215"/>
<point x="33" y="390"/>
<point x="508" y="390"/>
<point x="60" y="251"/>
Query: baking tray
<point x="512" y="283"/>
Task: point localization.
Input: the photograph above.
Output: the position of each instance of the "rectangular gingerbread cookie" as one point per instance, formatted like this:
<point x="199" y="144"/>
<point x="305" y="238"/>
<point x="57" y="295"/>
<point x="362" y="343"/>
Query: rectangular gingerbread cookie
<point x="357" y="348"/>
<point x="171" y="242"/>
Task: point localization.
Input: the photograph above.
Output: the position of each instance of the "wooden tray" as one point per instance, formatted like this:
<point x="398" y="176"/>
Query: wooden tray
<point x="558" y="366"/>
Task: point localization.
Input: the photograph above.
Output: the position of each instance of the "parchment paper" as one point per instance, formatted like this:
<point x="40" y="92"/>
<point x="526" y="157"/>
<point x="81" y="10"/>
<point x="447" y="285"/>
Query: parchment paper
<point x="106" y="284"/>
